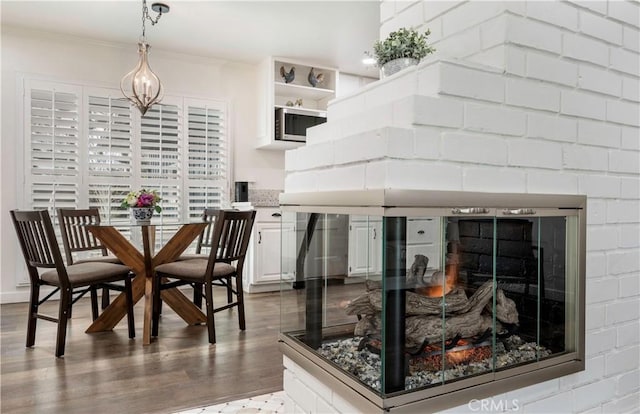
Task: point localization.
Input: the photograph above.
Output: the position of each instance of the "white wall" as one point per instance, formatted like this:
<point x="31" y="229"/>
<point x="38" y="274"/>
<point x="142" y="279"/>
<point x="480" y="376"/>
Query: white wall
<point x="556" y="111"/>
<point x="72" y="60"/>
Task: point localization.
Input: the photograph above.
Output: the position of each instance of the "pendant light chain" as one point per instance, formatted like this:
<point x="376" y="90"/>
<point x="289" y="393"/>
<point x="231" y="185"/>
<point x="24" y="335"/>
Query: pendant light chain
<point x="145" y="13"/>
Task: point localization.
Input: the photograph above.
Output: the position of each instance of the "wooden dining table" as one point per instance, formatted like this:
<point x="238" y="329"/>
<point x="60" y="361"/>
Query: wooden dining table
<point x="142" y="263"/>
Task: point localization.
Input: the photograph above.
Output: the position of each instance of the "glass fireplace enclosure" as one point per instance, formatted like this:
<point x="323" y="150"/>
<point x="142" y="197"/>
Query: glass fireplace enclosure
<point x="427" y="299"/>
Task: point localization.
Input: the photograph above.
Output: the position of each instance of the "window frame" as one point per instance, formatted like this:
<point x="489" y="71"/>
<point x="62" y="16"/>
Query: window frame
<point x="84" y="178"/>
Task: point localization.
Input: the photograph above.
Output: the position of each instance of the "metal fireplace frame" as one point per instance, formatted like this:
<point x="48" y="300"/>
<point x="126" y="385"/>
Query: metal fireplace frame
<point x="391" y="204"/>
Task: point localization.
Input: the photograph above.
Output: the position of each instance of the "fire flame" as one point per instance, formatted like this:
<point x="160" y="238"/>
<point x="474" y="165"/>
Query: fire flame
<point x="441" y="287"/>
<point x="458" y="357"/>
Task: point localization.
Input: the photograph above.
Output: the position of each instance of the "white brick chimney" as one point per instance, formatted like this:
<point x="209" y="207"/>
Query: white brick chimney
<point x="520" y="97"/>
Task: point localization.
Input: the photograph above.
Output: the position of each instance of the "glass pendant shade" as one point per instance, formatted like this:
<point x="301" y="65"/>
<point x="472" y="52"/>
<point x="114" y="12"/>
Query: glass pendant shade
<point x="141" y="86"/>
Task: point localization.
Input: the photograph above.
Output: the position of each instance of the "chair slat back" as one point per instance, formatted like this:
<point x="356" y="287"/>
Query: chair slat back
<point x="204" y="240"/>
<point x="232" y="232"/>
<point x="75" y="235"/>
<point x="38" y="241"/>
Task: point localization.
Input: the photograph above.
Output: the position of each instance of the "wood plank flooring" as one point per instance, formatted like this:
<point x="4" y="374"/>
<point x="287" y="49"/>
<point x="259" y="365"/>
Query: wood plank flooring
<point x="108" y="373"/>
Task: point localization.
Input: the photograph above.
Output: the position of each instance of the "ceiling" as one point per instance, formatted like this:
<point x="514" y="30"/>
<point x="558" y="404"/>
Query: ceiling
<point x="330" y="33"/>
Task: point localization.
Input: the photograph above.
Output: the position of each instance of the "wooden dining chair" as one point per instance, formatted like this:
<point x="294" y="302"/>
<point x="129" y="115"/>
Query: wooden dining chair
<point x="76" y="239"/>
<point x="40" y="249"/>
<point x="204" y="242"/>
<point x="230" y="237"/>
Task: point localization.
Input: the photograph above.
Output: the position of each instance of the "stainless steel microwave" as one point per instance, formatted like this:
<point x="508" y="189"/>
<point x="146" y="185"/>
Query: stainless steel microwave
<point x="291" y="123"/>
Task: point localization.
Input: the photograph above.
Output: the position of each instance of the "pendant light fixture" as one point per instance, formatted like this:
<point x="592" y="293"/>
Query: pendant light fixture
<point x="141" y="86"/>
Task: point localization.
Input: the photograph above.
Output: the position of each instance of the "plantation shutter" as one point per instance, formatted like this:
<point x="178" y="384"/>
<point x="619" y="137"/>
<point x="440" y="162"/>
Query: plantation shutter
<point x="207" y="163"/>
<point x="160" y="160"/>
<point x="87" y="147"/>
<point x="52" y="123"/>
<point x="109" y="154"/>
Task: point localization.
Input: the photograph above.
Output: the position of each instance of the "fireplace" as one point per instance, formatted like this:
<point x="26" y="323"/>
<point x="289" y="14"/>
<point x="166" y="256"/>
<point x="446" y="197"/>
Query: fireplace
<point x="444" y="297"/>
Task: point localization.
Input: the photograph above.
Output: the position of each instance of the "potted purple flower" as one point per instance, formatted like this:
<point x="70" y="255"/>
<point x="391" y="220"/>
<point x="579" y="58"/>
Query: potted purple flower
<point x="142" y="204"/>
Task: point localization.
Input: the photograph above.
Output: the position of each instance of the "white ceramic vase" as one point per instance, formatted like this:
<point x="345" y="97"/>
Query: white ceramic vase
<point x="141" y="215"/>
<point x="396" y="65"/>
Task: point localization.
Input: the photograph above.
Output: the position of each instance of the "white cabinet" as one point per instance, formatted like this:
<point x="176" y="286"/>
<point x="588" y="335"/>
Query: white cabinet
<point x="423" y="237"/>
<point x="268" y="250"/>
<point x="275" y="91"/>
<point x="263" y="262"/>
<point x="365" y="246"/>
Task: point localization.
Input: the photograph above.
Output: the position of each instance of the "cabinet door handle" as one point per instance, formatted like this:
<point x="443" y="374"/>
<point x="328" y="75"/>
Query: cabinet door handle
<point x="518" y="211"/>
<point x="276" y="215"/>
<point x="470" y="210"/>
<point x="374" y="234"/>
<point x="420" y="231"/>
<point x="259" y="237"/>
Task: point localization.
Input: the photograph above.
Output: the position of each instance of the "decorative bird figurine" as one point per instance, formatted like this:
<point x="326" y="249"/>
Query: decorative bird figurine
<point x="314" y="79"/>
<point x="288" y="77"/>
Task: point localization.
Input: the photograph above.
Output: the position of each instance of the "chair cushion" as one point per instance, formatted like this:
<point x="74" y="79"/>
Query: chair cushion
<point x="83" y="274"/>
<point x="193" y="269"/>
<point x="101" y="259"/>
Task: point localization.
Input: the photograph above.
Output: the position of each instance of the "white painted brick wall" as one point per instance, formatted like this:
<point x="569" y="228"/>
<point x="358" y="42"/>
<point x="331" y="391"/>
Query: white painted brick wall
<point x="599" y="27"/>
<point x="580" y="157"/>
<point x="631" y="38"/>
<point x="631" y="88"/>
<point x="462" y="81"/>
<point x="621" y="311"/>
<point x="430" y="111"/>
<point x="604" y="290"/>
<point x="628" y="334"/>
<point x="623" y="112"/>
<point x="476" y="148"/>
<point x="545" y="182"/>
<point x="599" y="133"/>
<point x="496" y="119"/>
<point x="534" y="34"/>
<point x="531" y="153"/>
<point x="630" y="138"/>
<point x="624" y="11"/>
<point x="625" y="61"/>
<point x="618" y="362"/>
<point x="551" y="68"/>
<point x="591" y="395"/>
<point x="494" y="180"/>
<point x="585" y="49"/>
<point x="556" y="111"/>
<point x="534" y="95"/>
<point x="628" y="383"/>
<point x="582" y="104"/>
<point x="552" y="127"/>
<point x="595" y="315"/>
<point x="557" y="13"/>
<point x="599" y="185"/>
<point x="596" y="79"/>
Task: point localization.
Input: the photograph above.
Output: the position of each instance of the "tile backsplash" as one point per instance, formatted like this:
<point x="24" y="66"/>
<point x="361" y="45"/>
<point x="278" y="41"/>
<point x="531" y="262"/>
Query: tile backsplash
<point x="264" y="198"/>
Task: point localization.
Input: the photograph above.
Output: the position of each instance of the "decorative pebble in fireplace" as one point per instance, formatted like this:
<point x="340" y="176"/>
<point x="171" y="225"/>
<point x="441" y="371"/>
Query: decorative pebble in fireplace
<point x="433" y="298"/>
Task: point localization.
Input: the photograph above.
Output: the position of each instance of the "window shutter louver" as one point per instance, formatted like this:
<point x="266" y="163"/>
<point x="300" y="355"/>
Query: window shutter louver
<point x="109" y="154"/>
<point x="109" y="137"/>
<point x="207" y="157"/>
<point x="53" y="147"/>
<point x="160" y="158"/>
<point x="160" y="148"/>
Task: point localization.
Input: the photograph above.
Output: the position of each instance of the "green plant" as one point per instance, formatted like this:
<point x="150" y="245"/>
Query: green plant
<point x="403" y="43"/>
<point x="142" y="198"/>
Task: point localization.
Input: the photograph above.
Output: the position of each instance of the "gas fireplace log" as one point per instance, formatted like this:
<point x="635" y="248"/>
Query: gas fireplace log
<point x="429" y="328"/>
<point x="370" y="303"/>
<point x="506" y="310"/>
